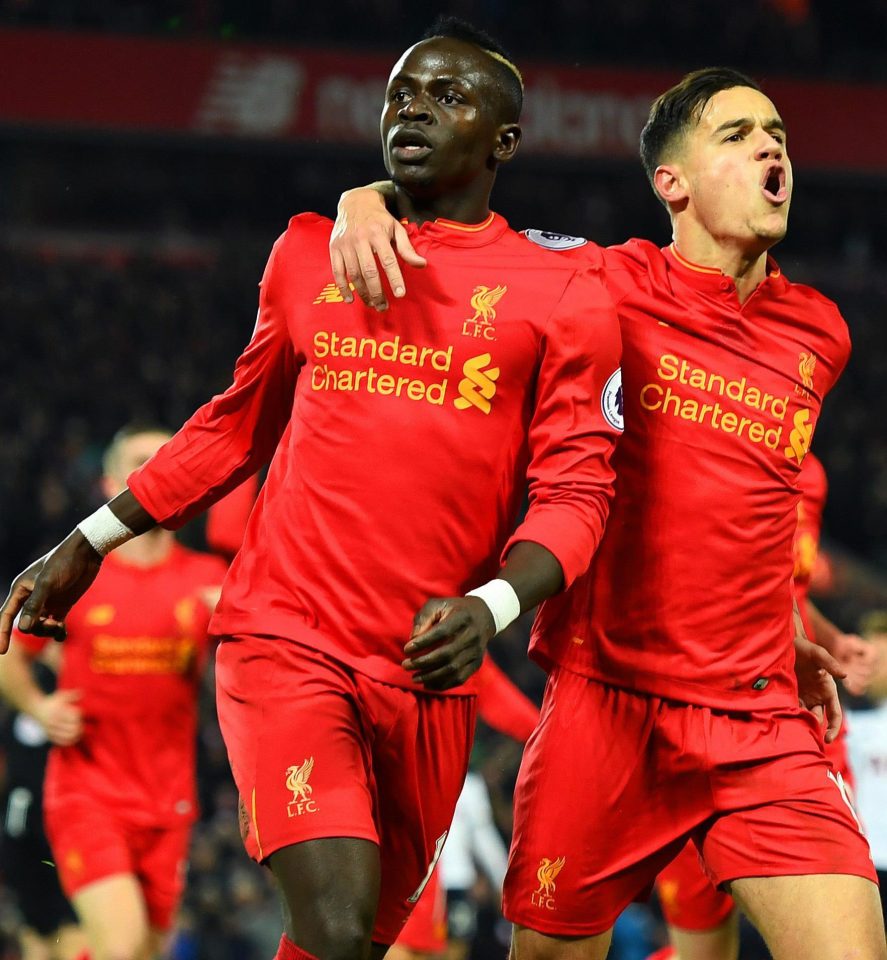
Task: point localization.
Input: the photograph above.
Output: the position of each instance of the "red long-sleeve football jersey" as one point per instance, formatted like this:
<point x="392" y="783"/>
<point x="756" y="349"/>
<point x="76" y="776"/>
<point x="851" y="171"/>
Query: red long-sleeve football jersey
<point x="401" y="442"/>
<point x="689" y="594"/>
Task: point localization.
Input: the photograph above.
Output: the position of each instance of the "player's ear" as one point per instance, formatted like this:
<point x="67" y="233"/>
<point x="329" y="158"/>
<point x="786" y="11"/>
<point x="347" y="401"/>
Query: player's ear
<point x="670" y="185"/>
<point x="507" y="141"/>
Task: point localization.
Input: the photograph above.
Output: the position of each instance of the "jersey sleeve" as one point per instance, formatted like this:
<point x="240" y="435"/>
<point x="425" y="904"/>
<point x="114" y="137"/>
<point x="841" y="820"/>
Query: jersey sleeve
<point x="502" y="705"/>
<point x="574" y="428"/>
<point x="229" y="438"/>
<point x="226" y="519"/>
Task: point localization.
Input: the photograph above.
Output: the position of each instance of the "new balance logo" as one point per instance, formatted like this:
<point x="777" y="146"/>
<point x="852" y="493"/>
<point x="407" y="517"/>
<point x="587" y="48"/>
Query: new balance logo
<point x="330" y="294"/>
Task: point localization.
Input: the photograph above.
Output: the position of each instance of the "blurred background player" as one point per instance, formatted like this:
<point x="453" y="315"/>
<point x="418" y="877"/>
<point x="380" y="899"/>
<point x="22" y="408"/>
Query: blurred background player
<point x="444" y="921"/>
<point x="119" y="796"/>
<point x="50" y="930"/>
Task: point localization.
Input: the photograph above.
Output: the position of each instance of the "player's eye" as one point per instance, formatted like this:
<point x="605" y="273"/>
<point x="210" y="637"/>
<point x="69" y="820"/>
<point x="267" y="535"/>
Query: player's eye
<point x="733" y="138"/>
<point x="399" y="96"/>
<point x="450" y="99"/>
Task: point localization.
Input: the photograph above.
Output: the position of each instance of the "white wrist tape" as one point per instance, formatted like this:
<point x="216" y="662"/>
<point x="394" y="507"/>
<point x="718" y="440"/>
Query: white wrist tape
<point x="104" y="530"/>
<point x="503" y="602"/>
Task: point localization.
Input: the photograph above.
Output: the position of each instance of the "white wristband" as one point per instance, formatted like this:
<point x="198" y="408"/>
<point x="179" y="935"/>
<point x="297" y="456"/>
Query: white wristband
<point x="104" y="530"/>
<point x="503" y="602"/>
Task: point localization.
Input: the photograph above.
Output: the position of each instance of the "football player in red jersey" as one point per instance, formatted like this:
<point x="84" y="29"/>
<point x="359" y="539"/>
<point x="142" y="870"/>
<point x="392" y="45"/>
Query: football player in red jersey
<point x="674" y="653"/>
<point x="400" y="447"/>
<point x="119" y="794"/>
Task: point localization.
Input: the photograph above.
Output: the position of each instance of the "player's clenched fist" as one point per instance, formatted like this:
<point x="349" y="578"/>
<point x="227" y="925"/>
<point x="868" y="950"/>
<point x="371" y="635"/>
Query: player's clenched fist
<point x="46" y="591"/>
<point x="448" y="641"/>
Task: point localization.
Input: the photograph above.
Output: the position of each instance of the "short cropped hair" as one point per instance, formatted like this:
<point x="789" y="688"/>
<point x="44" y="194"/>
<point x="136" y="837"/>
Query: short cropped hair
<point x="510" y="81"/>
<point x="675" y="111"/>
<point x="134" y="429"/>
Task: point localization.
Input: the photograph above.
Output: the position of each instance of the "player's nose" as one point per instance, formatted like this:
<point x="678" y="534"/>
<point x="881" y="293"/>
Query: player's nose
<point x="415" y="110"/>
<point x="769" y="147"/>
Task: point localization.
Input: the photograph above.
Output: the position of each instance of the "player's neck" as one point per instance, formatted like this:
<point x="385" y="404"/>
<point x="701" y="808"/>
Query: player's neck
<point x="748" y="268"/>
<point x="148" y="550"/>
<point x="469" y="206"/>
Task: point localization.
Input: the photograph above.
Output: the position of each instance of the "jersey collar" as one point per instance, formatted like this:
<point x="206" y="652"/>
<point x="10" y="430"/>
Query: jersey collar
<point x="451" y="233"/>
<point x="713" y="278"/>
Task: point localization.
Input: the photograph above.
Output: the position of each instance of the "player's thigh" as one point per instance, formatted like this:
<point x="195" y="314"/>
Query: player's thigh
<point x="114" y="917"/>
<point x="720" y="942"/>
<point x="596" y="816"/>
<point x="68" y="943"/>
<point x="529" y="944"/>
<point x="331" y="890"/>
<point x="419" y="765"/>
<point x="829" y="916"/>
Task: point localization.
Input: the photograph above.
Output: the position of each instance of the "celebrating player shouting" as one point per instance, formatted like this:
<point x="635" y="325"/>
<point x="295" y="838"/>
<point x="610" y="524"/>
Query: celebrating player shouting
<point x="671" y="710"/>
<point x="399" y="447"/>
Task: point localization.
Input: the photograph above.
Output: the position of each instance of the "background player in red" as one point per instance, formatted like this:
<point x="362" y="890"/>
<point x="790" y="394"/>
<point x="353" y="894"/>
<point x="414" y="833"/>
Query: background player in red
<point x="399" y="448"/>
<point x="49" y="928"/>
<point x="502" y="706"/>
<point x="675" y="651"/>
<point x="119" y="794"/>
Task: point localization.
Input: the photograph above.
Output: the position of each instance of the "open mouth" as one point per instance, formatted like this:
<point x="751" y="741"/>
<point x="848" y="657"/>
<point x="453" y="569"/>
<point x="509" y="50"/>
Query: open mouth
<point x="774" y="186"/>
<point x="410" y="146"/>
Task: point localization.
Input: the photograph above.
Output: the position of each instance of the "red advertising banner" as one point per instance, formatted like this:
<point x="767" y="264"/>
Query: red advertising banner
<point x="98" y="82"/>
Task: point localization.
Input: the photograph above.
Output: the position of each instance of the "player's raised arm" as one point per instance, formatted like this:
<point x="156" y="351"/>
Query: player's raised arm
<point x="365" y="235"/>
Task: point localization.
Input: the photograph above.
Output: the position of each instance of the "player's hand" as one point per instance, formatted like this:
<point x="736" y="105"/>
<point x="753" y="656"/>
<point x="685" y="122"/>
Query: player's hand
<point x="46" y="591"/>
<point x="60" y="716"/>
<point x="364" y="236"/>
<point x="858" y="658"/>
<point x="448" y="641"/>
<point x="816" y="670"/>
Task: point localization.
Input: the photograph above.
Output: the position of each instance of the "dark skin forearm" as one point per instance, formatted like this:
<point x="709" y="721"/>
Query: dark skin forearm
<point x="131" y="513"/>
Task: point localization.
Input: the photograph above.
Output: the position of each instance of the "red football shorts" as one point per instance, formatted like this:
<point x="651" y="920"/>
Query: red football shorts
<point x="426" y="930"/>
<point x="688" y="898"/>
<point x="90" y="843"/>
<point x="613" y="784"/>
<point x="318" y="750"/>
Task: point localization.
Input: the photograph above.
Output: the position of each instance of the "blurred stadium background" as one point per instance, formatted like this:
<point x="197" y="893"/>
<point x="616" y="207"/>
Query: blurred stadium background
<point x="150" y="153"/>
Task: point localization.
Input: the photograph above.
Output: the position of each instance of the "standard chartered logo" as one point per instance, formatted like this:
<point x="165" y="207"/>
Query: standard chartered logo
<point x="394" y="367"/>
<point x="479" y="384"/>
<point x="800" y="437"/>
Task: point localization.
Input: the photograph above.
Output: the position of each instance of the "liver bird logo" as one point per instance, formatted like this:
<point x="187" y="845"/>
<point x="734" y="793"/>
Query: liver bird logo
<point x="548" y="870"/>
<point x="297" y="780"/>
<point x="806" y="366"/>
<point x="484" y="301"/>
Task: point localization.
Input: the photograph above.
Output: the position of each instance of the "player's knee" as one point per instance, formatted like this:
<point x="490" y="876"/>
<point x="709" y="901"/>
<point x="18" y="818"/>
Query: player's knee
<point x="341" y="935"/>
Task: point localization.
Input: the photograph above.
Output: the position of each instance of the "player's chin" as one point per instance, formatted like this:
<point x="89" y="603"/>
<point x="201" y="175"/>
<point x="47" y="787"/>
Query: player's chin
<point x="773" y="228"/>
